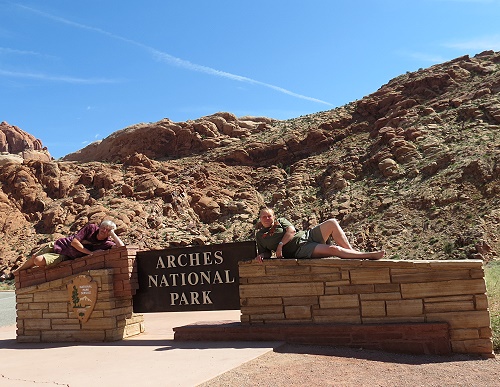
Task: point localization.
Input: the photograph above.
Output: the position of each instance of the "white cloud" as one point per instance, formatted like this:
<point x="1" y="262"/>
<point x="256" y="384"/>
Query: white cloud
<point x="478" y="44"/>
<point x="173" y="60"/>
<point x="208" y="70"/>
<point x="424" y="57"/>
<point x="56" y="78"/>
<point x="18" y="52"/>
<point x="13" y="51"/>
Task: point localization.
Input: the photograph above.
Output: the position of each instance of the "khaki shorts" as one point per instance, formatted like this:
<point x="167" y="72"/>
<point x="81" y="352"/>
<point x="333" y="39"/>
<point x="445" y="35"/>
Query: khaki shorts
<point x="47" y="252"/>
<point x="311" y="238"/>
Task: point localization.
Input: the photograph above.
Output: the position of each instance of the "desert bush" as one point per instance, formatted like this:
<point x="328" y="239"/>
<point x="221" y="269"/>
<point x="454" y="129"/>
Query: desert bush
<point x="492" y="277"/>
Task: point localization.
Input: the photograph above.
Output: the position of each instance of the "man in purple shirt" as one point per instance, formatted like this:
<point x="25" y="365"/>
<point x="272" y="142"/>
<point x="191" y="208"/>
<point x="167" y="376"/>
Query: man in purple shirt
<point x="89" y="239"/>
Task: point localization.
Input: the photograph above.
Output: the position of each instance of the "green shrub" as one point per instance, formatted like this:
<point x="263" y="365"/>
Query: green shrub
<point x="448" y="248"/>
<point x="492" y="277"/>
<point x="7" y="285"/>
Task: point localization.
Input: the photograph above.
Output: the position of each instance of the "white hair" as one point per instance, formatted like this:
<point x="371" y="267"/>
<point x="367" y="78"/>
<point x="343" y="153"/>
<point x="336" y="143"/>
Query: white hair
<point x="108" y="224"/>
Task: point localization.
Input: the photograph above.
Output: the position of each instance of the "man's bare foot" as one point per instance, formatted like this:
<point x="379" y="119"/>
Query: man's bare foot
<point x="374" y="255"/>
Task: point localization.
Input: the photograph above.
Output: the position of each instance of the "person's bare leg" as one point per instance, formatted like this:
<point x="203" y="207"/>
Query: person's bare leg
<point x="332" y="228"/>
<point x="29" y="263"/>
<point x="34" y="260"/>
<point x="323" y="251"/>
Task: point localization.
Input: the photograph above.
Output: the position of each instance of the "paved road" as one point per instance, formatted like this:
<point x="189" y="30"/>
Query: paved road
<point x="7" y="308"/>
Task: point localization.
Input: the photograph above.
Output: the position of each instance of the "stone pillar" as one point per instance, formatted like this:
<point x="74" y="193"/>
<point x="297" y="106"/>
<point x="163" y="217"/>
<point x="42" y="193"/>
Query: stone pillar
<point x="86" y="299"/>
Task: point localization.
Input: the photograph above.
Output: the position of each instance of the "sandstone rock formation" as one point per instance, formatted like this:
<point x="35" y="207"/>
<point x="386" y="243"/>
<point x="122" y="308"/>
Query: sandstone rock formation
<point x="413" y="168"/>
<point x="166" y="139"/>
<point x="16" y="145"/>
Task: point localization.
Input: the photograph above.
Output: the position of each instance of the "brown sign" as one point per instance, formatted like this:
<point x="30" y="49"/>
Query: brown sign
<point x="82" y="292"/>
<point x="191" y="278"/>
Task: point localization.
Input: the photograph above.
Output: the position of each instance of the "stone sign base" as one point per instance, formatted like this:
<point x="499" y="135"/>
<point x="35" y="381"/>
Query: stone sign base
<point x="415" y="338"/>
<point x="362" y="293"/>
<point x="85" y="300"/>
<point x="44" y="313"/>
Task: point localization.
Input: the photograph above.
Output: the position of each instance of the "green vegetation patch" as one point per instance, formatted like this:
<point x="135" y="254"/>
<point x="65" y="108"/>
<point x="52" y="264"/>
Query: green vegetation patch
<point x="7" y="285"/>
<point x="492" y="277"/>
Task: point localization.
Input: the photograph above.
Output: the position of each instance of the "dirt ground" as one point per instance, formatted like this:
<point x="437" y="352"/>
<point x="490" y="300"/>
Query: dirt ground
<point x="297" y="365"/>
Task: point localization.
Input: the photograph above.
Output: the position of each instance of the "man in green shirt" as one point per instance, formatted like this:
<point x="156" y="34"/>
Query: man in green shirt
<point x="280" y="236"/>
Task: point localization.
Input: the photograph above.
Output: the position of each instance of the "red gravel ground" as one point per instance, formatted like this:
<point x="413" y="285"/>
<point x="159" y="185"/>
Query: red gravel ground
<point x="297" y="365"/>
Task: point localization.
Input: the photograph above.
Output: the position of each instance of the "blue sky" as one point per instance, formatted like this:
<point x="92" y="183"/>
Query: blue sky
<point x="73" y="72"/>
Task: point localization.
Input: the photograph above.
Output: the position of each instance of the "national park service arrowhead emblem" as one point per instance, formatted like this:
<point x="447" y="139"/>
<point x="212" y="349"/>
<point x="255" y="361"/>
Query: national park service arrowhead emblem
<point x="82" y="293"/>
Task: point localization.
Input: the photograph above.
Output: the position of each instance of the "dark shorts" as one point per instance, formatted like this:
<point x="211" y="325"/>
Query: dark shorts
<point x="311" y="239"/>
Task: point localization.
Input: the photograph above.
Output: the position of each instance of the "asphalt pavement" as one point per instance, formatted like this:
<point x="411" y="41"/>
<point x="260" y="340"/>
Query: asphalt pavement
<point x="7" y="308"/>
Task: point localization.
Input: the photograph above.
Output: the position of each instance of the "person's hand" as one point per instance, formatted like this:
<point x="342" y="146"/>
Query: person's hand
<point x="279" y="251"/>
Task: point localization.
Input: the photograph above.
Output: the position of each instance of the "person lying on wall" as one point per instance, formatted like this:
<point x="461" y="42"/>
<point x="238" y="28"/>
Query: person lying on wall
<point x="89" y="239"/>
<point x="280" y="236"/>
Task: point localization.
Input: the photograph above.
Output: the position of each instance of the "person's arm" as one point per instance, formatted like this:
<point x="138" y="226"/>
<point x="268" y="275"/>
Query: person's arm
<point x="116" y="239"/>
<point x="287" y="237"/>
<point x="80" y="247"/>
<point x="264" y="253"/>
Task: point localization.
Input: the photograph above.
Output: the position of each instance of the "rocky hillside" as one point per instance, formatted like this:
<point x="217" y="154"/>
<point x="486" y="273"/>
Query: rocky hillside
<point x="16" y="146"/>
<point x="413" y="168"/>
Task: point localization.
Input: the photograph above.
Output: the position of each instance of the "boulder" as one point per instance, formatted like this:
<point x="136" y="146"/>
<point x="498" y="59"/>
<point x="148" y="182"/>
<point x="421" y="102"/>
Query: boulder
<point x="16" y="141"/>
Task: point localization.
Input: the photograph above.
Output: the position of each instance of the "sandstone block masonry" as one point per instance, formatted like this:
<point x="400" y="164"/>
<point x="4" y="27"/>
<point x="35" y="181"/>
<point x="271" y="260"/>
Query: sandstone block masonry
<point x="334" y="291"/>
<point x="44" y="311"/>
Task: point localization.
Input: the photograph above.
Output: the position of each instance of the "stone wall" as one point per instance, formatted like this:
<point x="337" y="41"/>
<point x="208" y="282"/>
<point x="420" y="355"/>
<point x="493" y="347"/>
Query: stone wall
<point x="125" y="282"/>
<point x="44" y="310"/>
<point x="335" y="291"/>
